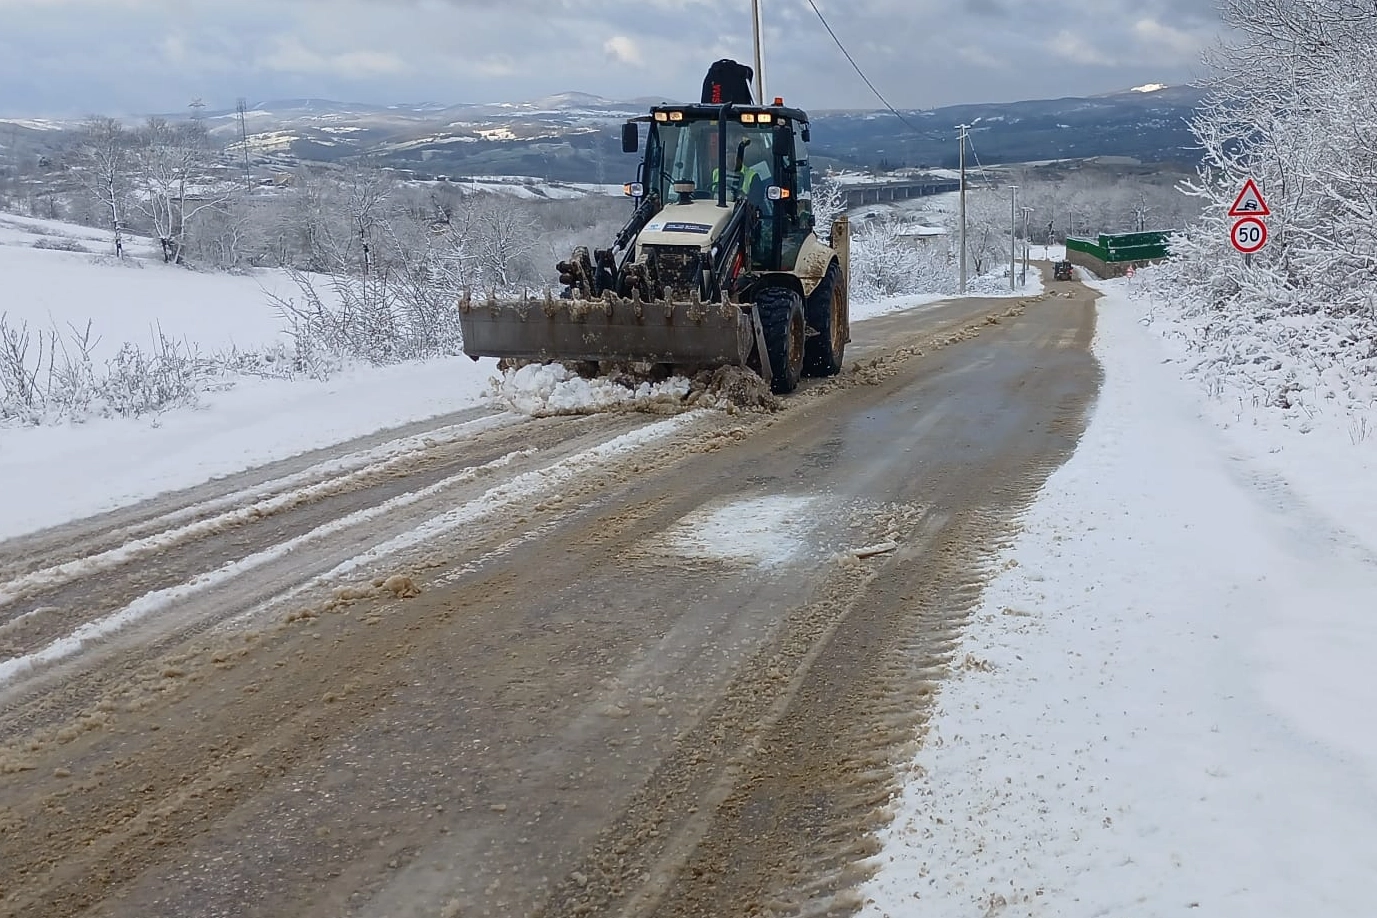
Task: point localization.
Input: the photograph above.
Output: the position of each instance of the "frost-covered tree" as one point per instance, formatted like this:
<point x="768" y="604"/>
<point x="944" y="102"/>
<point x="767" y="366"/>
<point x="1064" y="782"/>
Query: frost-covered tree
<point x="330" y="220"/>
<point x="366" y="195"/>
<point x="507" y="235"/>
<point x="1294" y="107"/>
<point x="1085" y="200"/>
<point x="232" y="237"/>
<point x="884" y="261"/>
<point x="987" y="230"/>
<point x="888" y="260"/>
<point x="829" y="202"/>
<point x="102" y="165"/>
<point x="174" y="164"/>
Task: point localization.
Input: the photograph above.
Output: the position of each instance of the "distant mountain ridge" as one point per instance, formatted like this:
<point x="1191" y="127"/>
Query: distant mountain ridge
<point x="574" y="136"/>
<point x="1149" y="124"/>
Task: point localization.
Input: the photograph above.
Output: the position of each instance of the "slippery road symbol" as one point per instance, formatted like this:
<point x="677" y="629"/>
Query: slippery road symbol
<point x="1250" y="202"/>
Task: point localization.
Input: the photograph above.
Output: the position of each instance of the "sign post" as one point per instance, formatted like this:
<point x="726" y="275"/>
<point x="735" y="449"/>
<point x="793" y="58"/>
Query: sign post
<point x="1249" y="233"/>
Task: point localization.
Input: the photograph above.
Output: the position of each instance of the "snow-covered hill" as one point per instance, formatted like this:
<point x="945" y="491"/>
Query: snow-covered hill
<point x="61" y="275"/>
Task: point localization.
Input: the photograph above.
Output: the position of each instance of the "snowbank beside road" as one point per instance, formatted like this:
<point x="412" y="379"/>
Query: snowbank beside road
<point x="1321" y="434"/>
<point x="995" y="286"/>
<point x="69" y="471"/>
<point x="552" y="389"/>
<point x="1164" y="700"/>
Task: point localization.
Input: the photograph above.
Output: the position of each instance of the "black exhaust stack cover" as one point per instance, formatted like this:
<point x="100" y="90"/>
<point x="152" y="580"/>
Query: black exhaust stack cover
<point x="728" y="82"/>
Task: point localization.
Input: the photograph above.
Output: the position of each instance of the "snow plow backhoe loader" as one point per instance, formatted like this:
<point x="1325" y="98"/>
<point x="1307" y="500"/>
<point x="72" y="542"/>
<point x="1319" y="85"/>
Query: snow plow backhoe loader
<point x="718" y="265"/>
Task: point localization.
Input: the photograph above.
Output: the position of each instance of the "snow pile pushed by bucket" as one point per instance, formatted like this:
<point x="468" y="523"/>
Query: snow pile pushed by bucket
<point x="542" y="390"/>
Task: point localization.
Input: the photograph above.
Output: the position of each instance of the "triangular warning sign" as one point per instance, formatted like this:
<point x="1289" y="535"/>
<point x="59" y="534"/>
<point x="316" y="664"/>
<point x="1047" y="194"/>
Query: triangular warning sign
<point x="1250" y="202"/>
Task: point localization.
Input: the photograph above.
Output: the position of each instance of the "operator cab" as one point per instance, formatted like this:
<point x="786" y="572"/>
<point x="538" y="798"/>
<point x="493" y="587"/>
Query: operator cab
<point x="729" y="153"/>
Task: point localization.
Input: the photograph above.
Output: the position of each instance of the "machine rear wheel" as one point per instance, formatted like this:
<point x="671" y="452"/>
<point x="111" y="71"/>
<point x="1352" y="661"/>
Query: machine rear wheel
<point x="826" y="315"/>
<point x="781" y="318"/>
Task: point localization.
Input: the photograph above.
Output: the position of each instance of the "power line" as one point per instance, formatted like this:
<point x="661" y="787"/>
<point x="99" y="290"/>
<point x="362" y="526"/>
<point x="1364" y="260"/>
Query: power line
<point x="979" y="166"/>
<point x="883" y="100"/>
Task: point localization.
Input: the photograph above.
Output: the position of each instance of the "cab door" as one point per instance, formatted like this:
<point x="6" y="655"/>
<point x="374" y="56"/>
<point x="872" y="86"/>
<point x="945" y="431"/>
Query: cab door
<point x="793" y="215"/>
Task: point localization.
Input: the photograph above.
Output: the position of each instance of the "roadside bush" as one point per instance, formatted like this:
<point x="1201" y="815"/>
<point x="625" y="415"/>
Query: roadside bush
<point x="21" y="363"/>
<point x="379" y="319"/>
<point x="138" y="382"/>
<point x="60" y="244"/>
<point x="47" y="376"/>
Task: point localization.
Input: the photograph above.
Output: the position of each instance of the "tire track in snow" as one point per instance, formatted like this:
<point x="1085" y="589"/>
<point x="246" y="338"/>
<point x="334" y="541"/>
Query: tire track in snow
<point x="524" y="487"/>
<point x="158" y="600"/>
<point x="268" y="499"/>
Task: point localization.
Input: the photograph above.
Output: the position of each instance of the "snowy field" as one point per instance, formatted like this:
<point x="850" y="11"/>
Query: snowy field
<point x="50" y="287"/>
<point x="1158" y="706"/>
<point x="74" y="470"/>
<point x="529" y="188"/>
<point x="71" y="471"/>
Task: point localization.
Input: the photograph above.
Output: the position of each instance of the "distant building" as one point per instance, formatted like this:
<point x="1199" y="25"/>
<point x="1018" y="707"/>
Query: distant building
<point x="920" y="235"/>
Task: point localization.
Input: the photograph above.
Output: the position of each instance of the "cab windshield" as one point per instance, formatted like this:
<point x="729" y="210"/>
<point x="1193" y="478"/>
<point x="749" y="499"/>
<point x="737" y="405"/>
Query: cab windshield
<point x="689" y="152"/>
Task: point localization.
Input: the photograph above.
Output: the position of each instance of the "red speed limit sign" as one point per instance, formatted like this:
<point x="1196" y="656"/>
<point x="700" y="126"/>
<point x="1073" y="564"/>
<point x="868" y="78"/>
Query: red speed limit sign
<point x="1249" y="235"/>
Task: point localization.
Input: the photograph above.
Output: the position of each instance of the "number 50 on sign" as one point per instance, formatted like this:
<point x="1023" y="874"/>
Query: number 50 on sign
<point x="1249" y="235"/>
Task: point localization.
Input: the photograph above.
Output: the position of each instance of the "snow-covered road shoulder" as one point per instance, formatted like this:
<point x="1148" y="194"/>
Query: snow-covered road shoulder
<point x="1165" y="702"/>
<point x="76" y="470"/>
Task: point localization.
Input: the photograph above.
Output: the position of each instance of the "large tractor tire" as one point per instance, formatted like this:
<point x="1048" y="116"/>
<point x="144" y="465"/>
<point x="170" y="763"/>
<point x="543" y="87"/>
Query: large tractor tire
<point x="782" y="319"/>
<point x="826" y="314"/>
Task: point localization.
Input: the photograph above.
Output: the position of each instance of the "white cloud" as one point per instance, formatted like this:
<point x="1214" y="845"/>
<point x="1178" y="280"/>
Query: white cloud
<point x="60" y="55"/>
<point x="1073" y="47"/>
<point x="1181" y="43"/>
<point x="623" y="50"/>
<point x="980" y="57"/>
<point x="292" y="56"/>
<point x="175" y="49"/>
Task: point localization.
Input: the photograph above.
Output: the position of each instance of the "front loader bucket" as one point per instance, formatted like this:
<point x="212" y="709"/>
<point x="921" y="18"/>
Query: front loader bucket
<point x="614" y="329"/>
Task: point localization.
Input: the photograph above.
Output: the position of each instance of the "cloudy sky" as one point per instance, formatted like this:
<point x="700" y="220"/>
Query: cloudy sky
<point x="77" y="57"/>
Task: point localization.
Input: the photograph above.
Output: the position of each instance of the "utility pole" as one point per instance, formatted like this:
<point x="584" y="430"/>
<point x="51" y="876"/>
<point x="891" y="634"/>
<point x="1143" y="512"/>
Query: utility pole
<point x="1023" y="279"/>
<point x="1013" y="233"/>
<point x="243" y="108"/>
<point x="963" y="128"/>
<point x="759" y="53"/>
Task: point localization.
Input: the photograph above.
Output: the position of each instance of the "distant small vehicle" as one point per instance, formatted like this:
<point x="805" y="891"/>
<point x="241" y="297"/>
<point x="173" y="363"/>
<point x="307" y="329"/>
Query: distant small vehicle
<point x="1062" y="271"/>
